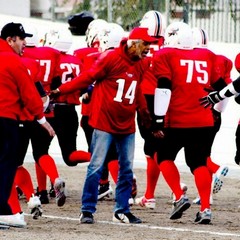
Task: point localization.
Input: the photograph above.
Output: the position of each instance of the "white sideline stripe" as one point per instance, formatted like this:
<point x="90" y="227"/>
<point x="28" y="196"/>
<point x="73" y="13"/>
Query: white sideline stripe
<point x="149" y="226"/>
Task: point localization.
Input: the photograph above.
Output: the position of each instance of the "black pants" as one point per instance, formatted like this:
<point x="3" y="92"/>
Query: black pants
<point x="65" y="123"/>
<point x="196" y="142"/>
<point x="237" y="140"/>
<point x="151" y="144"/>
<point x="24" y="139"/>
<point x="8" y="161"/>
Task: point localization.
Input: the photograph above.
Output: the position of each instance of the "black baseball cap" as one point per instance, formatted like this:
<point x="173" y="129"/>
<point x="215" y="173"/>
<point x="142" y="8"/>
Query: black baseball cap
<point x="14" y="29"/>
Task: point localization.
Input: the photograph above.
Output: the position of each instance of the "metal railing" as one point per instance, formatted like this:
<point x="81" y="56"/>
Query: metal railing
<point x="220" y="18"/>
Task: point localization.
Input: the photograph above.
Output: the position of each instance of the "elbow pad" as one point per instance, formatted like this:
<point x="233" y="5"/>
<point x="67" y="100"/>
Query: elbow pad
<point x="161" y="101"/>
<point x="40" y="89"/>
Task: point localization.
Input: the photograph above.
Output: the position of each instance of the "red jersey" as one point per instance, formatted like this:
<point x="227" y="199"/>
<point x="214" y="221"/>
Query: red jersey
<point x="88" y="63"/>
<point x="116" y="92"/>
<point x="48" y="59"/>
<point x="88" y="57"/>
<point x="83" y="52"/>
<point x="69" y="67"/>
<point x="17" y="89"/>
<point x="225" y="67"/>
<point x="33" y="70"/>
<point x="237" y="62"/>
<point x="149" y="82"/>
<point x="190" y="71"/>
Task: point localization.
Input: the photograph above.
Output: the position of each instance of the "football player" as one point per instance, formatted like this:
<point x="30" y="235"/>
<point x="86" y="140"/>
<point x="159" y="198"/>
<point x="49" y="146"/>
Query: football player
<point x="116" y="96"/>
<point x="200" y="37"/>
<point x="182" y="75"/>
<point x="48" y="59"/>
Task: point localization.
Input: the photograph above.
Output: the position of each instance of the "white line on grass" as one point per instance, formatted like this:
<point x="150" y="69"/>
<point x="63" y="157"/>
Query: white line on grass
<point x="150" y="227"/>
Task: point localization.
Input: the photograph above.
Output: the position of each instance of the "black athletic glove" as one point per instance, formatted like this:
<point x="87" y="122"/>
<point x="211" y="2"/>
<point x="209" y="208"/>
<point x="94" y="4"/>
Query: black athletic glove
<point x="157" y="123"/>
<point x="158" y="126"/>
<point x="54" y="94"/>
<point x="211" y="99"/>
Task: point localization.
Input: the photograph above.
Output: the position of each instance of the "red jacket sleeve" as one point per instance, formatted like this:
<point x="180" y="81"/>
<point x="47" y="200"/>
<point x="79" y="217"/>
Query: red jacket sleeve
<point x="82" y="81"/>
<point x="237" y="62"/>
<point x="28" y="93"/>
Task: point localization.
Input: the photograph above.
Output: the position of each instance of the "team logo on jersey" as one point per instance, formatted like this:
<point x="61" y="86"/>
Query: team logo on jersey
<point x="130" y="75"/>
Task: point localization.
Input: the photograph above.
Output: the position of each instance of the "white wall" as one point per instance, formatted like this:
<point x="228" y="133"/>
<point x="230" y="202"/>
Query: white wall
<point x="42" y="27"/>
<point x="15" y="7"/>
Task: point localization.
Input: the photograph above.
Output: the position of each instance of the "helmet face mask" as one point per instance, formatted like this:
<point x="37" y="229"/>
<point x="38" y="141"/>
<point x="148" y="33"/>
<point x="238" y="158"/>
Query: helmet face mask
<point x="179" y="35"/>
<point x="155" y="22"/>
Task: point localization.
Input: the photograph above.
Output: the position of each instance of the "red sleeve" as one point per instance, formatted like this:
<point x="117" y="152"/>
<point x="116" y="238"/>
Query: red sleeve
<point x="90" y="60"/>
<point x="95" y="73"/>
<point x="225" y="67"/>
<point x="237" y="62"/>
<point x="28" y="92"/>
<point x="33" y="67"/>
<point x="160" y="66"/>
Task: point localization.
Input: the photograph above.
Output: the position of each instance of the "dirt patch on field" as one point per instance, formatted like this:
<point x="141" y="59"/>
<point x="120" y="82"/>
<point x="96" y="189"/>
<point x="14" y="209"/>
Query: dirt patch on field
<point x="63" y="223"/>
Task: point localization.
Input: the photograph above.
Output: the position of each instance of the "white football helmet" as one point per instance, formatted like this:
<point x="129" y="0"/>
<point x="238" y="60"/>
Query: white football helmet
<point x="200" y="38"/>
<point x="179" y="35"/>
<point x="58" y="39"/>
<point x="155" y="22"/>
<point x="93" y="29"/>
<point x="34" y="40"/>
<point x="110" y="37"/>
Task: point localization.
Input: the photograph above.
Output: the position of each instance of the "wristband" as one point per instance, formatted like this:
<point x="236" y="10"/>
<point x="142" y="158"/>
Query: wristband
<point x="160" y="120"/>
<point x="42" y="120"/>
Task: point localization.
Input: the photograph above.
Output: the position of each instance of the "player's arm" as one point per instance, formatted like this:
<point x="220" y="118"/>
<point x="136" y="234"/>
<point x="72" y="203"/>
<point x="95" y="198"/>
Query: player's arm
<point x="142" y="109"/>
<point x="162" y="98"/>
<point x="43" y="95"/>
<point x="96" y="73"/>
<point x="232" y="89"/>
<point x="217" y="86"/>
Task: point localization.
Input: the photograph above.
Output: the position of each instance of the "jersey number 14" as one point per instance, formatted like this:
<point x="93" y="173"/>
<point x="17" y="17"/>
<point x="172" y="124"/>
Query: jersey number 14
<point x="130" y="94"/>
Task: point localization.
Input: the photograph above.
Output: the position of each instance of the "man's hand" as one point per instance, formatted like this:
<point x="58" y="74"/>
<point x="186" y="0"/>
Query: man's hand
<point x="158" y="126"/>
<point x="86" y="95"/>
<point x="145" y="118"/>
<point x="54" y="93"/>
<point x="211" y="99"/>
<point x="49" y="128"/>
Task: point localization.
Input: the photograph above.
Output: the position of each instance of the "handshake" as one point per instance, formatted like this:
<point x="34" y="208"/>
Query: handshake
<point x="232" y="89"/>
<point x="211" y="99"/>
